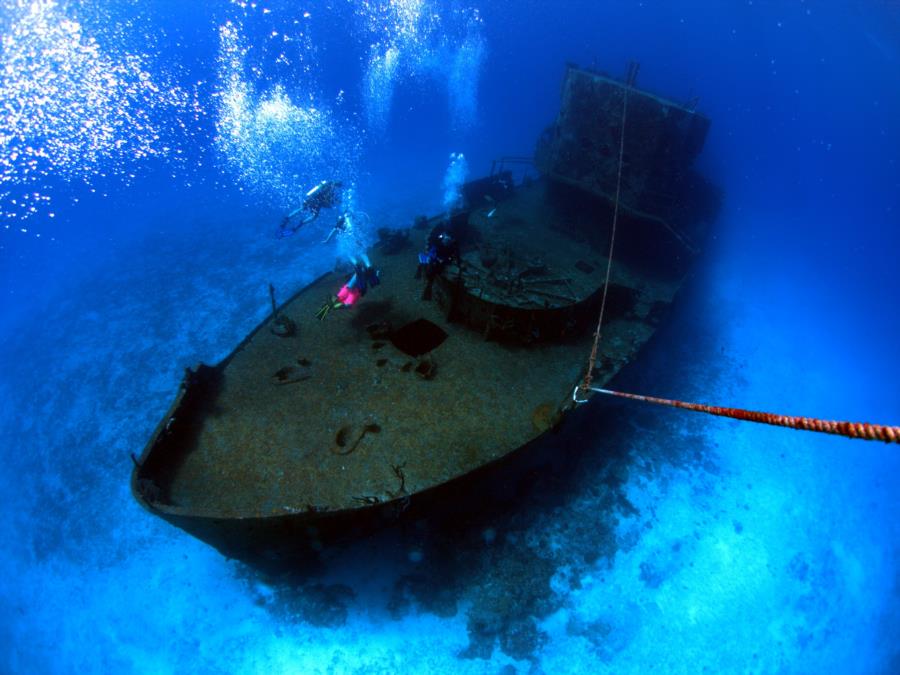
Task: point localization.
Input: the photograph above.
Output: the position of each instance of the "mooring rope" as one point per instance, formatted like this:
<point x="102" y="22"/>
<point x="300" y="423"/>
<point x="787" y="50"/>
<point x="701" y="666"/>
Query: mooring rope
<point x="863" y="430"/>
<point x="588" y="376"/>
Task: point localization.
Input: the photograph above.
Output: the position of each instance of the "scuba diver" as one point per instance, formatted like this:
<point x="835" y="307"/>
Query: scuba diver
<point x="442" y="249"/>
<point x="343" y="225"/>
<point x="323" y="195"/>
<point x="365" y="276"/>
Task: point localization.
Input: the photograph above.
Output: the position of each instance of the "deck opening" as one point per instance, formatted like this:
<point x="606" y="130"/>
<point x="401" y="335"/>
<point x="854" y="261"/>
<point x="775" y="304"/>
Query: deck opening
<point x="418" y="337"/>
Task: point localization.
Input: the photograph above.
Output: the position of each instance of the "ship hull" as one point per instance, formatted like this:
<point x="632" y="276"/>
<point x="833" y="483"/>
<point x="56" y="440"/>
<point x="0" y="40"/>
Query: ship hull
<point x="442" y="391"/>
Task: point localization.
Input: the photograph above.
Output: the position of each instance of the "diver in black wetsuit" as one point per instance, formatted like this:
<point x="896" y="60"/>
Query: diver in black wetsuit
<point x="323" y="195"/>
<point x="343" y="224"/>
<point x="442" y="248"/>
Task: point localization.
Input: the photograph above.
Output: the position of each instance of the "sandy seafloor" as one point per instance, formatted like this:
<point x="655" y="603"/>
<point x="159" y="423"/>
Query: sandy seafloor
<point x="671" y="541"/>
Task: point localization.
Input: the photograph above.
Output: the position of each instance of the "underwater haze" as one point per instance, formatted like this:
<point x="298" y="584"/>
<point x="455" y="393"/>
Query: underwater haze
<point x="148" y="151"/>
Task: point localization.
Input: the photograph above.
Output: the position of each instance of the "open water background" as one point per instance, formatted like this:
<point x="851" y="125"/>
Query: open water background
<point x="147" y="150"/>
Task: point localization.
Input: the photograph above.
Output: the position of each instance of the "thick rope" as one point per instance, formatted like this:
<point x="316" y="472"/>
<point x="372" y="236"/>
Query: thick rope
<point x="588" y="376"/>
<point x="863" y="430"/>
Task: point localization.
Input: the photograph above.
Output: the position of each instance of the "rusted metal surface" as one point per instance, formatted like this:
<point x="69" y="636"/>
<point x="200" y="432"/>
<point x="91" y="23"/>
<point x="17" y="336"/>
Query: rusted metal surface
<point x="662" y="140"/>
<point x="302" y="436"/>
<point x="339" y="419"/>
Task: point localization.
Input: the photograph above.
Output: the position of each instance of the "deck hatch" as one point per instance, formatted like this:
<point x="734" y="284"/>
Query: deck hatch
<point x="418" y="337"/>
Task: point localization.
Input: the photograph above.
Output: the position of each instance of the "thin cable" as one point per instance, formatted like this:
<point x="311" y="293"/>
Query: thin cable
<point x="588" y="376"/>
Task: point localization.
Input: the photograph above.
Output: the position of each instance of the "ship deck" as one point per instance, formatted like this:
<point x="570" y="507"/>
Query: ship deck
<point x="338" y="416"/>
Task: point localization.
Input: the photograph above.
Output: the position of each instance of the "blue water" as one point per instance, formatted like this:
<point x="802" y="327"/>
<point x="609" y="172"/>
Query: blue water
<point x="148" y="151"/>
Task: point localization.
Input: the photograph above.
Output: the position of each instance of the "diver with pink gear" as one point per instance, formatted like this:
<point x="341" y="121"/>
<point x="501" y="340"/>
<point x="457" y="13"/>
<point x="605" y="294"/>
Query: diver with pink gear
<point x="364" y="277"/>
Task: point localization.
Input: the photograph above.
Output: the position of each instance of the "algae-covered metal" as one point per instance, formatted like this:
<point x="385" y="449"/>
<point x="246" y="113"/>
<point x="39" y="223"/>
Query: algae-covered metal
<point x="661" y="142"/>
<point x="381" y="410"/>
